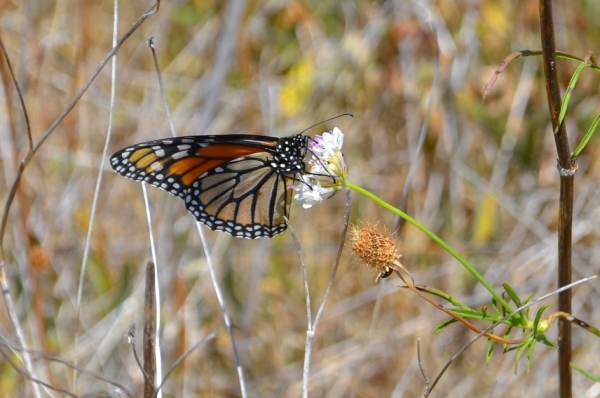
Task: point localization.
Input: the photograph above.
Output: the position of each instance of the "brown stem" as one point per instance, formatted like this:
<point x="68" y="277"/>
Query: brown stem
<point x="567" y="170"/>
<point x="460" y="319"/>
<point x="150" y="327"/>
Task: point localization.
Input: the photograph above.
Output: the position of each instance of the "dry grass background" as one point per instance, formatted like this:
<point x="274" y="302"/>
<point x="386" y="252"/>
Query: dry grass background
<point x="486" y="183"/>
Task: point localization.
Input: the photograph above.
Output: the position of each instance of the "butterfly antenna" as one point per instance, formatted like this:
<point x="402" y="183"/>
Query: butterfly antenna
<point x="326" y="120"/>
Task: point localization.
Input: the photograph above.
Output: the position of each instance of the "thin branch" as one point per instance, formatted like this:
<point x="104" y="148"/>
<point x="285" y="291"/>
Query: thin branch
<point x="45" y="356"/>
<point x="88" y="238"/>
<point x="19" y="94"/>
<point x="448" y="312"/>
<point x="150" y="331"/>
<point x="215" y="282"/>
<point x="421" y="363"/>
<point x="131" y="339"/>
<point x="33" y="380"/>
<point x="337" y="259"/>
<point x="309" y="327"/>
<point x="310" y="333"/>
<point x="179" y="360"/>
<point x="304" y="276"/>
<point x="14" y="321"/>
<point x="161" y="86"/>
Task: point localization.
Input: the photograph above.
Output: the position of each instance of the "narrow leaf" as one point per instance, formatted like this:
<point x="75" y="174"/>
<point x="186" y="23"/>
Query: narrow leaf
<point x="570" y="88"/>
<point x="518" y="356"/>
<point x="530" y="355"/>
<point x="586" y="373"/>
<point x="490" y="351"/>
<point x="586" y="138"/>
<point x="512" y="294"/>
<point x="443" y="325"/>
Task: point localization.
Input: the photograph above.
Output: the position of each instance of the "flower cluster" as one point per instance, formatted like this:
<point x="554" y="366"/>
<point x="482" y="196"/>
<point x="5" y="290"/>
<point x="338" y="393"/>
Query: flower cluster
<point x="325" y="172"/>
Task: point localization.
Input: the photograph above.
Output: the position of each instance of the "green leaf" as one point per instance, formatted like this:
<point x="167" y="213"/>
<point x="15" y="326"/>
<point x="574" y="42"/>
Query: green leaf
<point x="507" y="334"/>
<point x="519" y="353"/>
<point x="472" y="314"/>
<point x="586" y="373"/>
<point x="443" y="325"/>
<point x="443" y="295"/>
<point x="570" y="88"/>
<point x="530" y="355"/>
<point x="541" y="338"/>
<point x="490" y="351"/>
<point x="495" y="306"/>
<point x="512" y="294"/>
<point x="586" y="138"/>
<point x="538" y="316"/>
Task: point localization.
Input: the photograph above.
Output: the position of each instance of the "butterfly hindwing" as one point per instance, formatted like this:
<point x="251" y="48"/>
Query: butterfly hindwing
<point x="244" y="197"/>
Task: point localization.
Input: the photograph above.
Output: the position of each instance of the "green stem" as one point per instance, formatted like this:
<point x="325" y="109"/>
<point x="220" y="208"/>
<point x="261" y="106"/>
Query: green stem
<point x="435" y="238"/>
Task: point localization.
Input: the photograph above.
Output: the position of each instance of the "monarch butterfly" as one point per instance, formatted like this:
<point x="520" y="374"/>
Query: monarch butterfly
<point x="239" y="184"/>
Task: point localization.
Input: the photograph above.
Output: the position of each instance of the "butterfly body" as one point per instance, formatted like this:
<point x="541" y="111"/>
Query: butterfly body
<point x="239" y="184"/>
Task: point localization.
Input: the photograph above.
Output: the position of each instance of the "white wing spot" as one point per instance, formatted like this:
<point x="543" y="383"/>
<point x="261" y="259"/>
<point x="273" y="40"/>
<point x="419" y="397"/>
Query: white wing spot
<point x="156" y="166"/>
<point x="179" y="155"/>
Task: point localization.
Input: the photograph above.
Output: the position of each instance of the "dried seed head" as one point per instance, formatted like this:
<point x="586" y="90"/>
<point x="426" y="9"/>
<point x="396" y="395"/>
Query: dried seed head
<point x="375" y="249"/>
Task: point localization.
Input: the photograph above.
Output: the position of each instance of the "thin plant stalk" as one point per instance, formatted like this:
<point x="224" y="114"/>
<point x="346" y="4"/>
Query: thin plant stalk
<point x="150" y="332"/>
<point x="221" y="300"/>
<point x="310" y="333"/>
<point x="18" y="330"/>
<point x="88" y="238"/>
<point x="436" y="239"/>
<point x="567" y="168"/>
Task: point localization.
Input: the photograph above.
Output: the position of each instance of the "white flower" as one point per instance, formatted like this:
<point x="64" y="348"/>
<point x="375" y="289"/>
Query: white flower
<point x="327" y="151"/>
<point x="311" y="192"/>
<point x="328" y="144"/>
<point x="325" y="171"/>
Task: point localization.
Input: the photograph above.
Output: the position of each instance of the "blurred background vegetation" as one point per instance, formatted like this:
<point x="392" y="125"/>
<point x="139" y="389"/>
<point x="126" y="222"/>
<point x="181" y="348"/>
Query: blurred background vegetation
<point x="486" y="182"/>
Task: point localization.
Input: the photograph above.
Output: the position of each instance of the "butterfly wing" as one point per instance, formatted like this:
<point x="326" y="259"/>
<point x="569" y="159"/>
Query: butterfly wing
<point x="230" y="183"/>
<point x="244" y="197"/>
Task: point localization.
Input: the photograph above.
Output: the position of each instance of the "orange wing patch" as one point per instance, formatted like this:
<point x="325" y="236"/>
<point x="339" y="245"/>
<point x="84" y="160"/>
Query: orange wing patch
<point x="228" y="151"/>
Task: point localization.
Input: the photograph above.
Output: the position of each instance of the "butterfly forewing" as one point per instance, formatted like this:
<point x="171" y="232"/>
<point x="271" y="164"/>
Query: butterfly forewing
<point x="239" y="184"/>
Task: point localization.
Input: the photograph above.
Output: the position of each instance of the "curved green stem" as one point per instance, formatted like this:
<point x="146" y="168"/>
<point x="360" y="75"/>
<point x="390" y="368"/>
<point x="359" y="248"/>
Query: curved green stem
<point x="435" y="238"/>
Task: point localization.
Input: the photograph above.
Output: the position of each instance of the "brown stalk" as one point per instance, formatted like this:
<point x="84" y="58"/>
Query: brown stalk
<point x="397" y="267"/>
<point x="149" y="340"/>
<point x="566" y="168"/>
